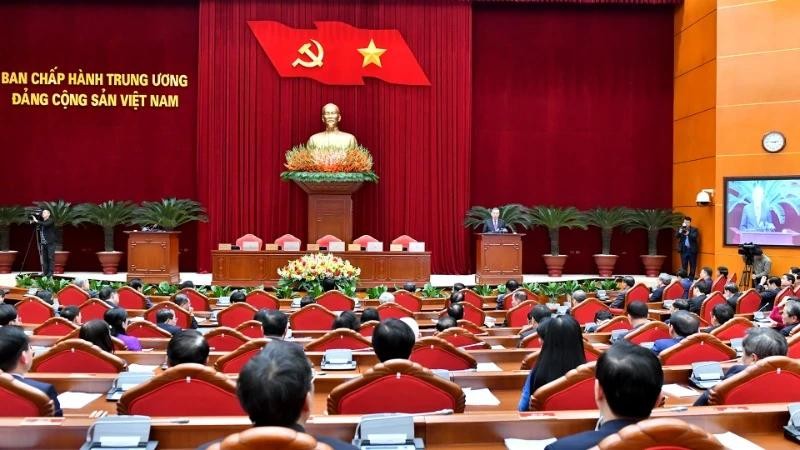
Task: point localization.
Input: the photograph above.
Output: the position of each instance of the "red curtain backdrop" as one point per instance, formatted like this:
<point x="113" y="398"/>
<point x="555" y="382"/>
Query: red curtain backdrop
<point x="97" y="154"/>
<point x="419" y="136"/>
<point x="572" y="106"/>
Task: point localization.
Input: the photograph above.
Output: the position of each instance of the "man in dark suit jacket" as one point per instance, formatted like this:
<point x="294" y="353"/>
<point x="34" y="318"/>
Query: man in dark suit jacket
<point x="664" y="280"/>
<point x="627" y="283"/>
<point x="687" y="246"/>
<point x="731" y="294"/>
<point x="790" y="316"/>
<point x="769" y="293"/>
<point x="629" y="379"/>
<point x="699" y="295"/>
<point x="494" y="224"/>
<point x="46" y="236"/>
<point x="681" y="325"/>
<point x="165" y="319"/>
<point x="16" y="357"/>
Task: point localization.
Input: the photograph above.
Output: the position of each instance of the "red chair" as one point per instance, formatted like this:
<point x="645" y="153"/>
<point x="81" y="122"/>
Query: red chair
<point x="408" y="300"/>
<point x="286" y="238"/>
<point x="224" y="339"/>
<point x="198" y="301"/>
<point x="93" y="309"/>
<point x="712" y="300"/>
<point x="637" y="293"/>
<point x="585" y="311"/>
<point x="403" y="240"/>
<point x="260" y="299"/>
<point x="785" y="292"/>
<point x="473" y="314"/>
<point x="75" y="334"/>
<point x="673" y="291"/>
<point x="462" y="338"/>
<point x="235" y="315"/>
<point x="386" y="387"/>
<point x="17" y="399"/>
<point x="649" y="332"/>
<point x="775" y="379"/>
<point x="130" y="298"/>
<point x="719" y="284"/>
<point x="531" y="341"/>
<point x="393" y="311"/>
<point x="235" y="360"/>
<point x="472" y="298"/>
<point x="325" y="241"/>
<point x="341" y="338"/>
<point x="33" y="310"/>
<point x="364" y="240"/>
<point x="732" y="329"/>
<point x="55" y="326"/>
<point x="617" y="323"/>
<point x="518" y="315"/>
<point x="793" y="346"/>
<point x="660" y="434"/>
<point x="272" y="438"/>
<point x="575" y="390"/>
<point x="368" y="327"/>
<point x="77" y="356"/>
<point x="435" y="353"/>
<point x="312" y="317"/>
<point x="336" y="301"/>
<point x="797" y="292"/>
<point x="251" y="241"/>
<point x="71" y="295"/>
<point x="590" y="352"/>
<point x="181" y="391"/>
<point x="182" y="316"/>
<point x="471" y="327"/>
<point x="698" y="347"/>
<point x="144" y="329"/>
<point x="252" y="329"/>
<point x="733" y="278"/>
<point x="749" y="302"/>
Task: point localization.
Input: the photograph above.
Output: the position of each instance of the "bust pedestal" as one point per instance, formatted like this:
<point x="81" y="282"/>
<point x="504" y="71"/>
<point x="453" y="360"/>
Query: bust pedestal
<point x="330" y="209"/>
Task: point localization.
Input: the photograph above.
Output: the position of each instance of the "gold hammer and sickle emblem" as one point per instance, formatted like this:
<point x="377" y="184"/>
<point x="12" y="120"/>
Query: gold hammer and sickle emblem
<point x="316" y="58"/>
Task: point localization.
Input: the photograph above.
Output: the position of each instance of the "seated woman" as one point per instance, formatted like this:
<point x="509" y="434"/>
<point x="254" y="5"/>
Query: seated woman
<point x="117" y="320"/>
<point x="98" y="333"/>
<point x="562" y="351"/>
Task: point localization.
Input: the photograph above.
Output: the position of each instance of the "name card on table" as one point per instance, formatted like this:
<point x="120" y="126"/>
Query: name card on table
<point x="251" y="246"/>
<point x="271" y="247"/>
<point x="353" y="248"/>
<point x="336" y="246"/>
<point x="416" y="246"/>
<point x="312" y="247"/>
<point x="291" y="246"/>
<point x="374" y="246"/>
<point x="396" y="247"/>
<point x="223" y="246"/>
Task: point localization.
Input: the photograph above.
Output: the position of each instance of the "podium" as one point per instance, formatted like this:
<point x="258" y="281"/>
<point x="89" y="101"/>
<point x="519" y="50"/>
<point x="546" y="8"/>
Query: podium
<point x="153" y="256"/>
<point x="330" y="209"/>
<point x="499" y="258"/>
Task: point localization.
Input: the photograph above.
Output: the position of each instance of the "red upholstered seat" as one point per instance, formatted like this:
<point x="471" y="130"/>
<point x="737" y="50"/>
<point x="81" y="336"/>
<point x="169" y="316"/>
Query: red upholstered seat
<point x="518" y="315"/>
<point x="367" y="328"/>
<point x="130" y="298"/>
<point x="749" y="302"/>
<point x="708" y="305"/>
<point x="71" y="295"/>
<point x="364" y="240"/>
<point x="637" y="293"/>
<point x="286" y="238"/>
<point x="272" y="438"/>
<point x="252" y="329"/>
<point x="33" y="310"/>
<point x="235" y="315"/>
<point x="198" y="301"/>
<point x="649" y="332"/>
<point x="336" y="301"/>
<point x="472" y="298"/>
<point x="393" y="311"/>
<point x="235" y="360"/>
<point x="17" y="399"/>
<point x="531" y="341"/>
<point x="462" y="338"/>
<point x="797" y="292"/>
<point x="585" y="311"/>
<point x="575" y="390"/>
<point x="775" y="379"/>
<point x="673" y="291"/>
<point x="55" y="326"/>
<point x="732" y="329"/>
<point x="183" y="390"/>
<point x="590" y="352"/>
<point x="785" y="292"/>
<point x="719" y="284"/>
<point x="473" y="314"/>
<point x="793" y="346"/>
<point x="250" y="240"/>
<point x="93" y="309"/>
<point x="78" y="356"/>
<point x="697" y="348"/>
<point x="145" y="329"/>
<point x="408" y="300"/>
<point x="75" y="334"/>
<point x="471" y="327"/>
<point x="312" y="317"/>
<point x="326" y="240"/>
<point x="262" y="300"/>
<point x="660" y="434"/>
<point x="341" y="338"/>
<point x="224" y="339"/>
<point x="436" y="353"/>
<point x="403" y="240"/>
<point x="617" y="323"/>
<point x="386" y="387"/>
<point x="182" y="316"/>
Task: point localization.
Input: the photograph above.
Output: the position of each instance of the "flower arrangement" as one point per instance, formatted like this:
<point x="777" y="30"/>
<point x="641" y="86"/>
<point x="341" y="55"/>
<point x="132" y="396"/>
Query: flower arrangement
<point x="322" y="164"/>
<point x="307" y="272"/>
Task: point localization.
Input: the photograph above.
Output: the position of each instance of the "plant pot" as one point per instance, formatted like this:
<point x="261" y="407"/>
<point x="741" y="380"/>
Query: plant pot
<point x="652" y="264"/>
<point x="109" y="261"/>
<point x="61" y="261"/>
<point x="6" y="260"/>
<point x="555" y="264"/>
<point x="605" y="264"/>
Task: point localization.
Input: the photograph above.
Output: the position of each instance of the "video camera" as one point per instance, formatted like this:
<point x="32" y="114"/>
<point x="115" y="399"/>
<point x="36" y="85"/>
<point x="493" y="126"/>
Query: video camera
<point x="749" y="251"/>
<point x="36" y="213"/>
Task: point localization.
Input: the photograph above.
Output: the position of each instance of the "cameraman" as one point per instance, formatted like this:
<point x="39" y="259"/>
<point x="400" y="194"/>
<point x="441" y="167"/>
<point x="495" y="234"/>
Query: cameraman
<point x="687" y="246"/>
<point x="46" y="235"/>
<point x="761" y="267"/>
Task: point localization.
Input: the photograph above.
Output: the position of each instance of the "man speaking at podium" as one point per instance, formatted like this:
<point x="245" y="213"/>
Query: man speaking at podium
<point x="494" y="224"/>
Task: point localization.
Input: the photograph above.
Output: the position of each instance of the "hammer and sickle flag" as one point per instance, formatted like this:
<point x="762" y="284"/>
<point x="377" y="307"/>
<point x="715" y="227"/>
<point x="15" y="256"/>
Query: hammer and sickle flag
<point x="339" y="54"/>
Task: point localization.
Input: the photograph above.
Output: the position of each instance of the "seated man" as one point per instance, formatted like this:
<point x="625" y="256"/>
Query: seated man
<point x="71" y="313"/>
<point x="511" y="286"/>
<point x="759" y="343"/>
<point x="601" y="317"/>
<point x="516" y="299"/>
<point x="386" y="297"/>
<point x="166" y="320"/>
<point x="626" y="283"/>
<point x="8" y="315"/>
<point x="456" y="311"/>
<point x="457" y="297"/>
<point x="536" y="316"/>
<point x="137" y="284"/>
<point x="681" y="325"/>
<point x="731" y="294"/>
<point x="686" y="282"/>
<point x="790" y="316"/>
<point x="109" y="296"/>
<point x="796" y="272"/>
<point x="182" y="300"/>
<point x="719" y="315"/>
<point x="771" y="291"/>
<point x="722" y="271"/>
<point x="701" y="290"/>
<point x="186" y="284"/>
<point x="578" y="297"/>
<point x="627" y="388"/>
<point x="273" y="322"/>
<point x="445" y="323"/>
<point x="370" y="314"/>
<point x="16" y="357"/>
<point x="680" y="304"/>
<point x="306" y="300"/>
<point x="637" y="314"/>
<point x="238" y="296"/>
<point x="83" y="283"/>
<point x="45" y="295"/>
<point x="664" y="280"/>
<point x="410" y="287"/>
<point x="187" y="347"/>
<point x="347" y="319"/>
<point x="705" y="277"/>
<point x="393" y="339"/>
<point x="328" y="284"/>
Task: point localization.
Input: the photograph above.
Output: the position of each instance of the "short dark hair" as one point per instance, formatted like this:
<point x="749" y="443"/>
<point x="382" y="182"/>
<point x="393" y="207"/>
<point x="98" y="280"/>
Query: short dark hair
<point x="458" y="286"/>
<point x="273" y="322"/>
<point x="638" y="310"/>
<point x="328" y="284"/>
<point x="456" y="311"/>
<point x="795" y="270"/>
<point x="723" y="271"/>
<point x="105" y="293"/>
<point x="682" y="273"/>
<point x="603" y="314"/>
<point x="70" y="312"/>
<point x="457" y="297"/>
<point x="306" y="300"/>
<point x="347" y="319"/>
<point x="445" y="323"/>
<point x="370" y="314"/>
<point x="774" y="280"/>
<point x="136" y="283"/>
<point x="789" y="277"/>
<point x="708" y="270"/>
<point x="409" y="286"/>
<point x="539" y="313"/>
<point x="273" y="386"/>
<point x="687" y="218"/>
<point x="164" y="314"/>
<point x="681" y="304"/>
<point x="180" y="299"/>
<point x="703" y="287"/>
<point x="238" y="296"/>
<point x="764" y="342"/>
<point x="631" y="378"/>
<point x="45" y="295"/>
<point x="8" y="314"/>
<point x="628" y="280"/>
<point x="722" y="312"/>
<point x="98" y="333"/>
<point x="512" y="285"/>
<point x="393" y="339"/>
<point x="116" y="318"/>
<point x="186" y="284"/>
<point x="732" y="288"/>
<point x="187" y="347"/>
<point x="13" y="342"/>
<point x="684" y="323"/>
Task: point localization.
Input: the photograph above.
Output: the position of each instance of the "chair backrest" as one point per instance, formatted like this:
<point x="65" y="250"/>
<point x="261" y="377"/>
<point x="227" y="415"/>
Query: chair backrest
<point x="719" y="284"/>
<point x="368" y="327"/>
<point x="775" y="379"/>
<point x="435" y="353"/>
<point x="183" y="390"/>
<point x="518" y="315"/>
<point x="472" y="298"/>
<point x="660" y="434"/>
<point x="336" y="301"/>
<point x="182" y="316"/>
<point x="71" y="295"/>
<point x="749" y="302"/>
<point x="224" y="339"/>
<point x="326" y="240"/>
<point x="130" y="298"/>
<point x="732" y="329"/>
<point x="252" y="329"/>
<point x="312" y="317"/>
<point x="673" y="291"/>
<point x="393" y="311"/>
<point x="77" y="356"/>
<point x="385" y="388"/>
<point x="93" y="309"/>
<point x="55" y="326"/>
<point x="585" y="311"/>
<point x="698" y="347"/>
<point x="340" y="338"/>
<point x="785" y="292"/>
<point x="75" y="334"/>
<point x="261" y="299"/>
<point x="250" y="240"/>
<point x="33" y="310"/>
<point x="474" y="314"/>
<point x="649" y="332"/>
<point x="797" y="291"/>
<point x="198" y="301"/>
<point x="590" y="352"/>
<point x="617" y="323"/>
<point x="235" y="360"/>
<point x="403" y="240"/>
<point x="706" y="308"/>
<point x="462" y="338"/>
<point x="793" y="343"/>
<point x="235" y="315"/>
<point x="531" y="341"/>
<point x="144" y="329"/>
<point x="273" y="438"/>
<point x="638" y="293"/>
<point x="408" y="300"/>
<point x="471" y="327"/>
<point x="575" y="390"/>
<point x="286" y="238"/>
<point x="17" y="399"/>
<point x="363" y="240"/>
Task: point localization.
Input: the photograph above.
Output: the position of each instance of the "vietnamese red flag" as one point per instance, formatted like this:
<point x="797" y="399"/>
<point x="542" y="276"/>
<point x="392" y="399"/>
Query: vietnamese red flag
<point x="337" y="53"/>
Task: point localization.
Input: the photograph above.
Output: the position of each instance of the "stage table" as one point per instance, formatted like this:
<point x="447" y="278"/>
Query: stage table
<point x="256" y="268"/>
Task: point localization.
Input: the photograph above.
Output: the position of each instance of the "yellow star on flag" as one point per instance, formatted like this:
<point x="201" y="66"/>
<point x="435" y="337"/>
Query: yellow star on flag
<point x="372" y="54"/>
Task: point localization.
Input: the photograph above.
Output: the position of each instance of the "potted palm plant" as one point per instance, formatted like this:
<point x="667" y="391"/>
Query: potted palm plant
<point x="606" y="220"/>
<point x="63" y="213"/>
<point x="513" y="214"/>
<point x="554" y="219"/>
<point x="653" y="220"/>
<point x="108" y="215"/>
<point x="9" y="215"/>
<point x="169" y="213"/>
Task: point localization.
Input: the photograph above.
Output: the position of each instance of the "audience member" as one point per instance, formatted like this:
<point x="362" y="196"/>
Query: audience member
<point x="393" y="339"/>
<point x="537" y="315"/>
<point x="83" y="283"/>
<point x="238" y="296"/>
<point x="601" y="317"/>
<point x="719" y="314"/>
<point x="187" y="347"/>
<point x="347" y="319"/>
<point x="796" y="272"/>
<point x="8" y="315"/>
<point x="771" y="291"/>
<point x="413" y="325"/>
<point x="787" y="280"/>
<point x="705" y="277"/>
<point x="457" y="297"/>
<point x="511" y="286"/>
<point x="444" y="323"/>
<point x="790" y="316"/>
<point x="664" y="280"/>
<point x="685" y="281"/>
<point x="273" y="322"/>
<point x="117" y="320"/>
<point x="386" y="297"/>
<point x="136" y="283"/>
<point x="45" y="295"/>
<point x="762" y="265"/>
<point x="723" y="272"/>
<point x="701" y="290"/>
<point x="16" y="357"/>
<point x="456" y="311"/>
<point x="457" y="287"/>
<point x="370" y="314"/>
<point x="186" y="284"/>
<point x="182" y="300"/>
<point x="3" y="293"/>
<point x="166" y="320"/>
<point x="98" y="333"/>
<point x="328" y="284"/>
<point x="306" y="300"/>
<point x="680" y="304"/>
<point x="410" y="287"/>
<point x="731" y="294"/>
<point x="578" y="297"/>
<point x="626" y="284"/>
<point x="71" y="313"/>
<point x="109" y="296"/>
<point x="681" y="325"/>
<point x="637" y="314"/>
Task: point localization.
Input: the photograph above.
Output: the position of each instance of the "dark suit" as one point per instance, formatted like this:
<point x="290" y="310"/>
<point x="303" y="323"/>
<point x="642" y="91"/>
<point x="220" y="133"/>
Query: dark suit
<point x="47" y="245"/>
<point x="787" y="330"/>
<point x="768" y="297"/>
<point x="732" y="370"/>
<point x="589" y="439"/>
<point x="734" y="300"/>
<point x="489" y="226"/>
<point x="619" y="301"/>
<point x="172" y="329"/>
<point x="696" y="302"/>
<point x="657" y="294"/>
<point x="46" y="388"/>
<point x="335" y="444"/>
<point x="662" y="344"/>
<point x="688" y="248"/>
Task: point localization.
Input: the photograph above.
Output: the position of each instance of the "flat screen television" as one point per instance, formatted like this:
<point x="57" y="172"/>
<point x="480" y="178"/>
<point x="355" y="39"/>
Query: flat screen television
<point x="762" y="210"/>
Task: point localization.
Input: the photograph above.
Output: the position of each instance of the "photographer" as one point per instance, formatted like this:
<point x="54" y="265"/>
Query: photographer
<point x="46" y="235"/>
<point x="761" y="267"/>
<point x="687" y="246"/>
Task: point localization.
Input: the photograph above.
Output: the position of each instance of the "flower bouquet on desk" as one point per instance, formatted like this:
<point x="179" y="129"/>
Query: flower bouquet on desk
<point x="307" y="272"/>
<point x="308" y="163"/>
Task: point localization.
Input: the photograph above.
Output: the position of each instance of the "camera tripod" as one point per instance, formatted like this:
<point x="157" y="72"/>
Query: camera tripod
<point x="747" y="274"/>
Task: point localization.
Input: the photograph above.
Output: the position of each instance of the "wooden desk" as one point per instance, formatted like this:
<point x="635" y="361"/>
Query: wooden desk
<point x="255" y="268"/>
